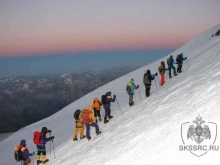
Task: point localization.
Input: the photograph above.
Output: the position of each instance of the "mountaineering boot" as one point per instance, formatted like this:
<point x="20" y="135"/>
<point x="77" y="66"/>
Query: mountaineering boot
<point x="82" y="137"/>
<point x="105" y="121"/>
<point x="98" y="133"/>
<point x="96" y="121"/>
<point x="131" y="104"/>
<point x="75" y="139"/>
<point x="110" y="117"/>
<point x="39" y="162"/>
<point x="45" y="161"/>
<point x="100" y="119"/>
<point x="88" y="138"/>
<point x="170" y="76"/>
<point x="175" y="74"/>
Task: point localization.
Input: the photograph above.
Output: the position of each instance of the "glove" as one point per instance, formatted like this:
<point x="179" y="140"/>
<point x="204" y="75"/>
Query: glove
<point x="185" y="58"/>
<point x="52" y="137"/>
<point x="156" y="74"/>
<point x="114" y="96"/>
<point x="33" y="153"/>
<point x="49" y="131"/>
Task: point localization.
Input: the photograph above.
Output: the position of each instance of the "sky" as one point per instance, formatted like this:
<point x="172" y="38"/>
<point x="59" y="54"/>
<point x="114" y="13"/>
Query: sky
<point x="149" y="132"/>
<point x="33" y="28"/>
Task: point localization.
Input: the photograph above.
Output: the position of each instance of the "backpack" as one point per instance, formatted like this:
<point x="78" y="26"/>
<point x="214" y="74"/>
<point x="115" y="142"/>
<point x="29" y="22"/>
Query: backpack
<point x="145" y="79"/>
<point x="178" y="58"/>
<point x="160" y="68"/>
<point x="37" y="136"/>
<point x="86" y="117"/>
<point x="76" y="114"/>
<point x="128" y="87"/>
<point x="168" y="62"/>
<point x="104" y="99"/>
<point x="18" y="153"/>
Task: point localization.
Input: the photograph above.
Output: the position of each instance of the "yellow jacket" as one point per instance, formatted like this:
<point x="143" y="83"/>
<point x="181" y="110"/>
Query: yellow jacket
<point x="92" y="117"/>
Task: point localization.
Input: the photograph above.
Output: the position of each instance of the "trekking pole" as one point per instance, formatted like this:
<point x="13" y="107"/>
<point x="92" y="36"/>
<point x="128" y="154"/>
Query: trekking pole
<point x="50" y="143"/>
<point x="119" y="106"/>
<point x="140" y="94"/>
<point x="102" y="111"/>
<point x="156" y="84"/>
<point x="158" y="80"/>
<point x="33" y="155"/>
<point x="166" y="76"/>
<point x="53" y="149"/>
<point x="187" y="62"/>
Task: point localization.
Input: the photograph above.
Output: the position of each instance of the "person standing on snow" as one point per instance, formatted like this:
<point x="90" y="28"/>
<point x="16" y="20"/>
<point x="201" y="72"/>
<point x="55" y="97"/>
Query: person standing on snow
<point x="130" y="90"/>
<point x="96" y="107"/>
<point x="88" y="119"/>
<point x="106" y="101"/>
<point x="179" y="61"/>
<point x="170" y="63"/>
<point x="148" y="77"/>
<point x="79" y="126"/>
<point x="25" y="153"/>
<point x="41" y="149"/>
<point x="162" y="69"/>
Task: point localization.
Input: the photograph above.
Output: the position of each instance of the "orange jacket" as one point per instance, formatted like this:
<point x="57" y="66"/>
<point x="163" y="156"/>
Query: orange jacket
<point x="96" y="104"/>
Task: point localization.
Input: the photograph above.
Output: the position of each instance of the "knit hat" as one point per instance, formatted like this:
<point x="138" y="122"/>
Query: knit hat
<point x="90" y="108"/>
<point x="109" y="93"/>
<point x="23" y="142"/>
<point x="44" y="130"/>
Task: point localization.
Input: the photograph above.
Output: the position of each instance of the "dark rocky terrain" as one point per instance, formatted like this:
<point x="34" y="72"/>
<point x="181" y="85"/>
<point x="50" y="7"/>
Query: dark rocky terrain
<point x="29" y="99"/>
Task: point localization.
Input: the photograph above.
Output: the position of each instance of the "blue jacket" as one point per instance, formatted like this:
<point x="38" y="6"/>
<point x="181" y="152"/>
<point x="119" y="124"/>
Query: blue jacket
<point x="109" y="99"/>
<point x="25" y="152"/>
<point x="133" y="87"/>
<point x="171" y="61"/>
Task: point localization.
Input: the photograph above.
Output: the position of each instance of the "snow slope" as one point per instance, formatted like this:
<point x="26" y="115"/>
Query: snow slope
<point x="147" y="133"/>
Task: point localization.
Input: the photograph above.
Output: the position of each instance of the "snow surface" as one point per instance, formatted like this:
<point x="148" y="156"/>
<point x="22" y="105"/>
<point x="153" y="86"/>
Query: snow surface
<point x="148" y="133"/>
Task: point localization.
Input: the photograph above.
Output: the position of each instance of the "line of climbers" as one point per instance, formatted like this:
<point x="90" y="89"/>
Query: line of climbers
<point x="170" y="62"/>
<point x="21" y="153"/>
<point x="148" y="77"/>
<point x="89" y="118"/>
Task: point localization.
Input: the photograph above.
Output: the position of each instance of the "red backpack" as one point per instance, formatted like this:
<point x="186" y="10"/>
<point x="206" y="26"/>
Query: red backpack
<point x="86" y="117"/>
<point x="37" y="136"/>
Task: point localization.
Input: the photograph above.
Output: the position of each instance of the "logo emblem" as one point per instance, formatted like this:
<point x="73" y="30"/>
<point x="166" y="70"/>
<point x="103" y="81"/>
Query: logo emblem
<point x="198" y="132"/>
<point x="199" y="137"/>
